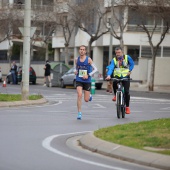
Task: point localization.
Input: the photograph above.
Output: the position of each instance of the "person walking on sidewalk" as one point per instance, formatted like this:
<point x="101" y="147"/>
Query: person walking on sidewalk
<point x="14" y="72"/>
<point x="121" y="66"/>
<point x="47" y="73"/>
<point x="109" y="87"/>
<point x="84" y="69"/>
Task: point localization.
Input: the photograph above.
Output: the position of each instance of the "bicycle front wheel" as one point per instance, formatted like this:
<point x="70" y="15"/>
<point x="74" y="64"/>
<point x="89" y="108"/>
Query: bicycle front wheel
<point x="123" y="111"/>
<point x="118" y="104"/>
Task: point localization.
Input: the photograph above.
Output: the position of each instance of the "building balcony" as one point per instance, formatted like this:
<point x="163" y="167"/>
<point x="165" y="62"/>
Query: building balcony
<point x="45" y="8"/>
<point x="135" y="28"/>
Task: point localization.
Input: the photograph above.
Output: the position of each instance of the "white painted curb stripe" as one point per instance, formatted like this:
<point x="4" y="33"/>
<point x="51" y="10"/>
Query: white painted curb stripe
<point x="46" y="144"/>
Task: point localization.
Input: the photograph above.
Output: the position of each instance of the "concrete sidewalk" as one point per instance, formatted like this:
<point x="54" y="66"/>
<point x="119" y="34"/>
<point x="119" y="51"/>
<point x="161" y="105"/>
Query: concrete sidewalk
<point x="89" y="141"/>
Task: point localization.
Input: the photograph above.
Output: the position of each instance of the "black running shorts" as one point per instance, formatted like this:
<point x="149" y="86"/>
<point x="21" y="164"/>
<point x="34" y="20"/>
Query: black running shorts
<point x="85" y="86"/>
<point x="47" y="74"/>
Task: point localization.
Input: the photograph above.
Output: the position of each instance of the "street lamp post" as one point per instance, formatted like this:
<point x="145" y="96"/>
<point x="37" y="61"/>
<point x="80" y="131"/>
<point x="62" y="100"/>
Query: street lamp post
<point x="26" y="50"/>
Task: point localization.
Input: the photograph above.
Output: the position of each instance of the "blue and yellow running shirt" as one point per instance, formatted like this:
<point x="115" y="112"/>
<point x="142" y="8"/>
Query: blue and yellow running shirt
<point x="83" y="68"/>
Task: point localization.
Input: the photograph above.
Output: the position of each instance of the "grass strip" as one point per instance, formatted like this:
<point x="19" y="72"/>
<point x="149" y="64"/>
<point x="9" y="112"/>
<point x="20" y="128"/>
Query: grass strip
<point x="154" y="134"/>
<point x="17" y="97"/>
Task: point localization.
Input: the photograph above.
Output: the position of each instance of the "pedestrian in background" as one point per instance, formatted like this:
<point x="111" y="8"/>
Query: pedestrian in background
<point x="14" y="72"/>
<point x="47" y="73"/>
<point x="109" y="87"/>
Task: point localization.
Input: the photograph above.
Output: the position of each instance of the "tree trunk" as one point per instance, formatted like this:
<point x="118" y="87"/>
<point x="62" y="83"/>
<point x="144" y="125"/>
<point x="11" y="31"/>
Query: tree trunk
<point x="89" y="48"/>
<point x="121" y="41"/>
<point x="9" y="55"/>
<point x="66" y="54"/>
<point x="151" y="81"/>
<point x="9" y="59"/>
<point x="46" y="52"/>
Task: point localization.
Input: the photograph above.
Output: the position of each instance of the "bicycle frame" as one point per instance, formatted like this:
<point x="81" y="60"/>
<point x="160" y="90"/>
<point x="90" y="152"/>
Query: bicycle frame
<point x="120" y="101"/>
<point x="120" y="91"/>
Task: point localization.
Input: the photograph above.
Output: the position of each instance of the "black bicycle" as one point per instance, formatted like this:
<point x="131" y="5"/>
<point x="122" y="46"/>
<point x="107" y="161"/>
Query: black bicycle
<point x="120" y="97"/>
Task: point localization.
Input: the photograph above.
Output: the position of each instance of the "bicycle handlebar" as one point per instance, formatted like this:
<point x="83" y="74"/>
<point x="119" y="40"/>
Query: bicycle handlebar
<point x="121" y="79"/>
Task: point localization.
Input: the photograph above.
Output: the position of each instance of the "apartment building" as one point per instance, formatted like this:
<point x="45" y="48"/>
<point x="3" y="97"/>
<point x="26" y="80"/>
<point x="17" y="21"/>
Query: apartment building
<point x="11" y="38"/>
<point x="136" y="44"/>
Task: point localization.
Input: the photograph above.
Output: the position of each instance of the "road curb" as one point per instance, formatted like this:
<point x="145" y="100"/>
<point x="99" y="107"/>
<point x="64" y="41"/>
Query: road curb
<point x="90" y="142"/>
<point x="23" y="103"/>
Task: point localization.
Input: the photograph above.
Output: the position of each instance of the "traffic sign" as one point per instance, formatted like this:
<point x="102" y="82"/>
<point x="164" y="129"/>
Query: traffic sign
<point x="31" y="33"/>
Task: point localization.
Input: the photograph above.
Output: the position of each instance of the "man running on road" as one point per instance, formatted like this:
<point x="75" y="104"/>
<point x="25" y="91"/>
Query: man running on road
<point x="84" y="69"/>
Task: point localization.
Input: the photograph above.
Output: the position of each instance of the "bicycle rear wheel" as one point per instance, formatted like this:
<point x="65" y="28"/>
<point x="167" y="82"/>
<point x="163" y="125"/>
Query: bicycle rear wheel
<point x="118" y="104"/>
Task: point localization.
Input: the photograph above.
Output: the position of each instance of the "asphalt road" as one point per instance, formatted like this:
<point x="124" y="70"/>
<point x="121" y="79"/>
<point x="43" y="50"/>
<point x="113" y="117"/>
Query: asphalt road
<point x="44" y="137"/>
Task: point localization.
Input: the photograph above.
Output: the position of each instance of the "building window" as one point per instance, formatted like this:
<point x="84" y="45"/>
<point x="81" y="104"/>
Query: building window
<point x="42" y="2"/>
<point x="39" y="54"/>
<point x="80" y="2"/>
<point x="166" y="51"/>
<point x="133" y="51"/>
<point x="15" y="52"/>
<point x="19" y="2"/>
<point x="4" y="3"/>
<point x="3" y="55"/>
<point x="49" y="2"/>
<point x="36" y="2"/>
<point x="146" y="52"/>
<point x="149" y="20"/>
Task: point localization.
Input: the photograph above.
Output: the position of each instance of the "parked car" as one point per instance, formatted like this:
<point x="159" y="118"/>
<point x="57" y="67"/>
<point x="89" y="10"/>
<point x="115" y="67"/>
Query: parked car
<point x="0" y="75"/>
<point x="69" y="79"/>
<point x="32" y="75"/>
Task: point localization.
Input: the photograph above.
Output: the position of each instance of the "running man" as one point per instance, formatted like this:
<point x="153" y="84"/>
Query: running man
<point x="84" y="69"/>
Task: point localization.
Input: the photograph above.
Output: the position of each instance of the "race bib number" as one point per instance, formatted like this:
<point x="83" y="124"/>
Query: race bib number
<point x="82" y="73"/>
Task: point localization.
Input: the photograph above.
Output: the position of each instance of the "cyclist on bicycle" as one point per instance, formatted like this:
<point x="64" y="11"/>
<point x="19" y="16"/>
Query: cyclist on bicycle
<point x="121" y="67"/>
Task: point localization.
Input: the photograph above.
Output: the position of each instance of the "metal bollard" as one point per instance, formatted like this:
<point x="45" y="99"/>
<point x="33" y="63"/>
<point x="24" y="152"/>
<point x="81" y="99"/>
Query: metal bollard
<point x="93" y="86"/>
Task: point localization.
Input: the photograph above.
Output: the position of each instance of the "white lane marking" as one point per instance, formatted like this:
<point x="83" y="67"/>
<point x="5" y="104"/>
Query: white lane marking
<point x="45" y="105"/>
<point x="144" y="98"/>
<point x="147" y="103"/>
<point x="17" y="110"/>
<point x="98" y="98"/>
<point x="59" y="102"/>
<point x="46" y="144"/>
<point x="163" y="111"/>
<point x="62" y="94"/>
<point x="166" y="108"/>
<point x="55" y="111"/>
<point x="99" y="106"/>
